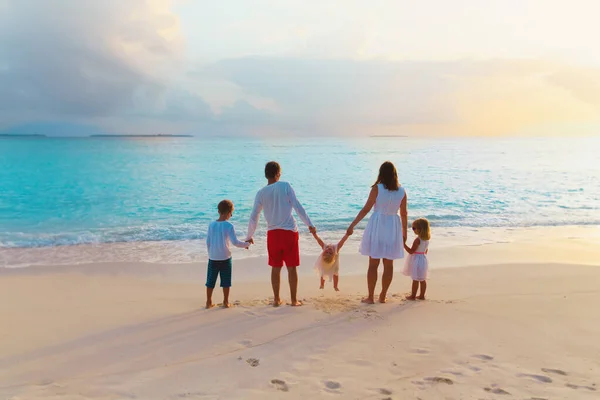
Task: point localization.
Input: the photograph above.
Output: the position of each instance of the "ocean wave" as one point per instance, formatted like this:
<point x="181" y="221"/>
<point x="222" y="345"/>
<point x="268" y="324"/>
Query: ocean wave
<point x="195" y="232"/>
<point x="147" y="233"/>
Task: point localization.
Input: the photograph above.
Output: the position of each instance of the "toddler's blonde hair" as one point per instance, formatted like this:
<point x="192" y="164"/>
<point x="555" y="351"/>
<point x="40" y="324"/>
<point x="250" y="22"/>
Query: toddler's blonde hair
<point x="423" y="229"/>
<point x="328" y="256"/>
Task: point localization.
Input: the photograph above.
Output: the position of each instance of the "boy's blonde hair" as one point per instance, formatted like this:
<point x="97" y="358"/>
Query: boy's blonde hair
<point x="422" y="226"/>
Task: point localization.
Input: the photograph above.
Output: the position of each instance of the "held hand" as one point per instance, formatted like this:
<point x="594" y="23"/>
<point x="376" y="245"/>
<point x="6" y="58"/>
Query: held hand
<point x="312" y="229"/>
<point x="251" y="241"/>
<point x="350" y="231"/>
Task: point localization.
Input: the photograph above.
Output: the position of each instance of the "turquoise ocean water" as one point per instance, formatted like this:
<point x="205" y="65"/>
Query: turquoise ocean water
<point x="152" y="199"/>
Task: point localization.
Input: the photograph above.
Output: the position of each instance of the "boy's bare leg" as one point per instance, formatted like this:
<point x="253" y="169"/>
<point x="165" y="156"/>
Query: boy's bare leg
<point x="386" y="279"/>
<point x="322" y="283"/>
<point x="209" y="292"/>
<point x="413" y="294"/>
<point x="336" y="279"/>
<point x="371" y="280"/>
<point x="226" y="303"/>
<point x="275" y="282"/>
<point x="423" y="285"/>
<point x="293" y="280"/>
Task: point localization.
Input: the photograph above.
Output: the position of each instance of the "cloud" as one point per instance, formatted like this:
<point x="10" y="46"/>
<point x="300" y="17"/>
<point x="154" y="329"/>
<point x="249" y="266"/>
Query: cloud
<point x="122" y="66"/>
<point x="468" y="97"/>
<point x="76" y="59"/>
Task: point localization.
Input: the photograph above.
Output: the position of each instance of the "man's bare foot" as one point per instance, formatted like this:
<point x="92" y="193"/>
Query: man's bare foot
<point x="227" y="305"/>
<point x="296" y="303"/>
<point x="277" y="302"/>
<point x="336" y="289"/>
<point x="421" y="298"/>
<point x="209" y="304"/>
<point x="322" y="287"/>
<point x="368" y="300"/>
<point x="382" y="299"/>
<point x="411" y="297"/>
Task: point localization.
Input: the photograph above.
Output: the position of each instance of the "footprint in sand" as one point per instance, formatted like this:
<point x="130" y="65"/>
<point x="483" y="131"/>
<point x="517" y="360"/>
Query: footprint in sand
<point x="483" y="357"/>
<point x="572" y="386"/>
<point x="539" y="378"/>
<point x="420" y="351"/>
<point x="554" y="371"/>
<point x="496" y="390"/>
<point x="332" y="385"/>
<point x="280" y="385"/>
<point x="439" y="379"/>
<point x="246" y="343"/>
<point x="385" y="392"/>
<point x="253" y="362"/>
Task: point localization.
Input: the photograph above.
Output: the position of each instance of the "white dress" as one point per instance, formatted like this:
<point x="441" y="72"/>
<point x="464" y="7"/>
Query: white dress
<point x="383" y="236"/>
<point x="416" y="265"/>
<point x="328" y="270"/>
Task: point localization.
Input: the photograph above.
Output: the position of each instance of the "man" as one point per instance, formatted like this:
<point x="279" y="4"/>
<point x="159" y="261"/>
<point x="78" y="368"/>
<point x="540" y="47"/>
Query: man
<point x="278" y="199"/>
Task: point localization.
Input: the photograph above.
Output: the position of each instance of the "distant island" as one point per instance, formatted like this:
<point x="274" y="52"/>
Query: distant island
<point x="160" y="135"/>
<point x="21" y="135"/>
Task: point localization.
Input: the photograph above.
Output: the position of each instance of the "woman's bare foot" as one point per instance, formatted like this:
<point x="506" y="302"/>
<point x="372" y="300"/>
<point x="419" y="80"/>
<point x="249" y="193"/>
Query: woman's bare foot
<point x="336" y="289"/>
<point x="368" y="300"/>
<point x="322" y="287"/>
<point x="277" y="302"/>
<point x="227" y="305"/>
<point x="382" y="299"/>
<point x="296" y="303"/>
<point x="209" y="304"/>
<point x="421" y="298"/>
<point x="411" y="297"/>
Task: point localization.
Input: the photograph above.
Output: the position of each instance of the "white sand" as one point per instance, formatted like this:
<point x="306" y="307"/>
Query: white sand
<point x="522" y="328"/>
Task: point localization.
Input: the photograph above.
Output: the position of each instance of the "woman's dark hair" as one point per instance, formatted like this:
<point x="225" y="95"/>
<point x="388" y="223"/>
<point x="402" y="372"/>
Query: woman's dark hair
<point x="388" y="176"/>
<point x="272" y="169"/>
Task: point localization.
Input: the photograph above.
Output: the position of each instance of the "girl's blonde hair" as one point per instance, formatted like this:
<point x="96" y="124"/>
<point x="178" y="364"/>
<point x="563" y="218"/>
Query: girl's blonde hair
<point x="422" y="227"/>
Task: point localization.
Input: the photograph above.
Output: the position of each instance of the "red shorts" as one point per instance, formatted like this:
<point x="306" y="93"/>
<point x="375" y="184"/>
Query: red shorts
<point x="282" y="246"/>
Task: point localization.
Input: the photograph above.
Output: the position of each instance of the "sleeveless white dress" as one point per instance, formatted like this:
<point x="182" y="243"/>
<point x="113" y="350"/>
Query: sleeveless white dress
<point x="383" y="236"/>
<point x="416" y="265"/>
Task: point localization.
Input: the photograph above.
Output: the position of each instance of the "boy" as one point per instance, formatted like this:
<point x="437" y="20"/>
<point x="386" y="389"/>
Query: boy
<point x="221" y="234"/>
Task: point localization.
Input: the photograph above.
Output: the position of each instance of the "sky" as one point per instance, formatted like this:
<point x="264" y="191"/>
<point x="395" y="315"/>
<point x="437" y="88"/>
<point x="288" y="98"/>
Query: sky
<point x="301" y="68"/>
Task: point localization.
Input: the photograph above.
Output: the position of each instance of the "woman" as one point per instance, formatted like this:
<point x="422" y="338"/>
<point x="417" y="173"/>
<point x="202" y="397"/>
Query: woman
<point x="385" y="234"/>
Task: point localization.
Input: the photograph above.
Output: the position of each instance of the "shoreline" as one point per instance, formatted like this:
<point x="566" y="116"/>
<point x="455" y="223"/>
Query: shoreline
<point x="194" y="251"/>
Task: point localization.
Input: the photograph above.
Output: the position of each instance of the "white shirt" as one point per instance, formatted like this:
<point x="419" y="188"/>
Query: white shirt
<point x="220" y="235"/>
<point x="278" y="200"/>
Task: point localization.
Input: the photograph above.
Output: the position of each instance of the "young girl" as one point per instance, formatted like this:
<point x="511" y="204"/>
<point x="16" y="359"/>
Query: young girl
<point x="328" y="263"/>
<point x="416" y="265"/>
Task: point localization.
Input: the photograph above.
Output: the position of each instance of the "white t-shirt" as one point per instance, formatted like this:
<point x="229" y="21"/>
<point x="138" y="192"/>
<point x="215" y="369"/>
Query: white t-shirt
<point x="220" y="235"/>
<point x="277" y="200"/>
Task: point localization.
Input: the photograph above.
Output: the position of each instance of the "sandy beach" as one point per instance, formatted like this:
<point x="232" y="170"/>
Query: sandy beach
<point x="513" y="320"/>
